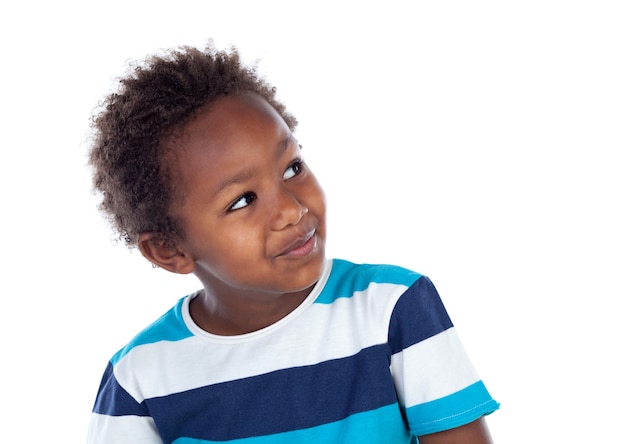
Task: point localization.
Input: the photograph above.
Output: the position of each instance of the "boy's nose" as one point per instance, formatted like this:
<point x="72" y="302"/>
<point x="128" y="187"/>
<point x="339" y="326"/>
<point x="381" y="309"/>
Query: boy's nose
<point x="288" y="211"/>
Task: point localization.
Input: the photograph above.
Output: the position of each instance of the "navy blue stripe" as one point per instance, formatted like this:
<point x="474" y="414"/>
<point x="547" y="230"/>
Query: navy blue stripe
<point x="279" y="401"/>
<point x="113" y="400"/>
<point x="419" y="314"/>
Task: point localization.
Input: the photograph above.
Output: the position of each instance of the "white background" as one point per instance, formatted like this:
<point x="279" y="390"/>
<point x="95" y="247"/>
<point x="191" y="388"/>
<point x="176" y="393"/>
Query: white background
<point x="481" y="143"/>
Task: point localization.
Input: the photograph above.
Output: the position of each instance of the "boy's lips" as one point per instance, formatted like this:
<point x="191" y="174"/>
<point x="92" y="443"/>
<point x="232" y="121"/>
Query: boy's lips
<point x="300" y="246"/>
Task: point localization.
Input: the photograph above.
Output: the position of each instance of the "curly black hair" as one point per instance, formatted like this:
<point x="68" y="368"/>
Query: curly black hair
<point x="129" y="151"/>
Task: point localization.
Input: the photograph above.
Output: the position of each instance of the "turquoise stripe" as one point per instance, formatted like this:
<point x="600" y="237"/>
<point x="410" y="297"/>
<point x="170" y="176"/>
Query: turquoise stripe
<point x="451" y="411"/>
<point x="346" y="278"/>
<point x="169" y="327"/>
<point x="383" y="425"/>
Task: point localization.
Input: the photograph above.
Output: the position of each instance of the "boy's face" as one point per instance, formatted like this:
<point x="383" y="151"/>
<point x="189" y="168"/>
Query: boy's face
<point x="253" y="214"/>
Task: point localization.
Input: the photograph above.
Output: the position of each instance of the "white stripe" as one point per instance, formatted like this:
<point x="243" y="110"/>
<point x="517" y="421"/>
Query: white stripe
<point x="104" y="429"/>
<point x="431" y="369"/>
<point x="321" y="333"/>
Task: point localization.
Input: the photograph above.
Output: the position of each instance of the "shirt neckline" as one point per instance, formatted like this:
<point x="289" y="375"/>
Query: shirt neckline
<point x="255" y="335"/>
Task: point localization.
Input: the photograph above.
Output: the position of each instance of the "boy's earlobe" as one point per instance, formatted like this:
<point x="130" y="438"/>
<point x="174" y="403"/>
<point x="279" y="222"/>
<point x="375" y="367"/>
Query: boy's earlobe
<point x="160" y="254"/>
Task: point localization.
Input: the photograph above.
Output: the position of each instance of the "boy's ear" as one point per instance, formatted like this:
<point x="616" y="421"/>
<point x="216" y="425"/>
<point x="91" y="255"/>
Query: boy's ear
<point x="156" y="250"/>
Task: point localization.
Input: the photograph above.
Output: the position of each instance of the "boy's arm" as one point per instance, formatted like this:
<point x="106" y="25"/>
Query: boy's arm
<point x="473" y="433"/>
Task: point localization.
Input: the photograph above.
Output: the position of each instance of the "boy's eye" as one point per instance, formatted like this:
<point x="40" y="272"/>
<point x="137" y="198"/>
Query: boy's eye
<point x="293" y="170"/>
<point x="243" y="201"/>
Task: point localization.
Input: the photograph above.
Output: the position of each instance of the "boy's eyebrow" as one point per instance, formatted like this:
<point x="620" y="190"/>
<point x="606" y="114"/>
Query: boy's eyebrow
<point x="248" y="173"/>
<point x="237" y="178"/>
<point x="290" y="139"/>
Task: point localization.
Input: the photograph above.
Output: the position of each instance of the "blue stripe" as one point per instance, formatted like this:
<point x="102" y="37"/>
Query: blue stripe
<point x="373" y="427"/>
<point x="280" y="401"/>
<point x="169" y="327"/>
<point x="452" y="411"/>
<point x="346" y="278"/>
<point x="113" y="400"/>
<point x="418" y="315"/>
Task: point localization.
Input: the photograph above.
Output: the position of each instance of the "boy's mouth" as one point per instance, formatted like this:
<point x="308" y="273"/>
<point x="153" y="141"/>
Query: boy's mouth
<point x="301" y="246"/>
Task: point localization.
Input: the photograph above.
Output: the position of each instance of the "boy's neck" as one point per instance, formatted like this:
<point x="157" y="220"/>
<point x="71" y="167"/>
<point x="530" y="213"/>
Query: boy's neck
<point x="237" y="316"/>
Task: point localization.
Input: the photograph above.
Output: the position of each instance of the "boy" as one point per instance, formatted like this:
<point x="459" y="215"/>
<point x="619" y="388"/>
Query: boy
<point x="199" y="169"/>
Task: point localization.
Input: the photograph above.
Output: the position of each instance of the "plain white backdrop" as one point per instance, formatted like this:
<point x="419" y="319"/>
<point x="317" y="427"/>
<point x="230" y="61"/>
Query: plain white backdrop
<point x="480" y="143"/>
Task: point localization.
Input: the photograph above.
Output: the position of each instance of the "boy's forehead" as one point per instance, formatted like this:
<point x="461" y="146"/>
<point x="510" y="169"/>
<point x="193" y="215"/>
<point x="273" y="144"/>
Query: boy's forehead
<point x="232" y="116"/>
<point x="227" y="130"/>
<point x="234" y="108"/>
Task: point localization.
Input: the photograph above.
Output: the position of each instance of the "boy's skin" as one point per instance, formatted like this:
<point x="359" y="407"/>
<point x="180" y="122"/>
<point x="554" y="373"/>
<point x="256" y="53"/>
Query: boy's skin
<point x="253" y="218"/>
<point x="257" y="260"/>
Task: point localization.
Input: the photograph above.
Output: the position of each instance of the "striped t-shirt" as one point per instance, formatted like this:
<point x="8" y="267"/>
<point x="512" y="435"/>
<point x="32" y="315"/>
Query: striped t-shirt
<point x="370" y="356"/>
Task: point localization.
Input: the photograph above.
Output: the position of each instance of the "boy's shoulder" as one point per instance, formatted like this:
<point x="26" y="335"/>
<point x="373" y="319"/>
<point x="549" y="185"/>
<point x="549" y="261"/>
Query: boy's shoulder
<point x="347" y="278"/>
<point x="169" y="327"/>
<point x="379" y="273"/>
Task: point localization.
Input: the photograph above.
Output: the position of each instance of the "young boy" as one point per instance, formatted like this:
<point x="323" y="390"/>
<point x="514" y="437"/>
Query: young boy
<point x="199" y="168"/>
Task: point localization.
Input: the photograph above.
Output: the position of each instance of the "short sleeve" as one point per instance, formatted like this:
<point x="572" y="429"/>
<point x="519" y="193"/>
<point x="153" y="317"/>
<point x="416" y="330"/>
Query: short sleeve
<point x="437" y="385"/>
